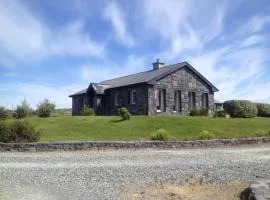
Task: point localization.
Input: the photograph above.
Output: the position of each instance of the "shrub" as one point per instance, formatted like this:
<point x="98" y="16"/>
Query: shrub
<point x="206" y="135"/>
<point x="198" y="112"/>
<point x="124" y="113"/>
<point x="4" y="132"/>
<point x="263" y="110"/>
<point x="87" y="111"/>
<point x="21" y="112"/>
<point x="3" y="113"/>
<point x="18" y="131"/>
<point x="240" y="108"/>
<point x="261" y="133"/>
<point x="45" y="108"/>
<point x="160" y="134"/>
<point x="219" y="113"/>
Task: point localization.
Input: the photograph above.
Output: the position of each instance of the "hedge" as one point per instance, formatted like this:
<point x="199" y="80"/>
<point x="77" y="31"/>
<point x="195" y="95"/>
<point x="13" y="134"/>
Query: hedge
<point x="240" y="108"/>
<point x="263" y="109"/>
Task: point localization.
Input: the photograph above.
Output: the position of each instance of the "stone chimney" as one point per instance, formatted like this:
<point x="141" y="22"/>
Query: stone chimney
<point x="158" y="65"/>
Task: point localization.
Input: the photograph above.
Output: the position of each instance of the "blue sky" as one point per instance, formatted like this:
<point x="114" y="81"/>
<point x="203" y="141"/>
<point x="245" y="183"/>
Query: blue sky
<point x="54" y="48"/>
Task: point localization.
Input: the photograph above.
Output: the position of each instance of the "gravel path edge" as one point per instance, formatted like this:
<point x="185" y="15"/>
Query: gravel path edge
<point x="118" y="145"/>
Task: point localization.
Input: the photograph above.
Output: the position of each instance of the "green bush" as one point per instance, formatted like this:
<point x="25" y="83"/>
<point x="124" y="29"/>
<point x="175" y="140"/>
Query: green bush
<point x="3" y="113"/>
<point x="240" y="108"/>
<point x="124" y="113"/>
<point x="18" y="131"/>
<point x="4" y="132"/>
<point x="87" y="111"/>
<point x="263" y="110"/>
<point x="261" y="133"/>
<point x="21" y="112"/>
<point x="198" y="112"/>
<point x="160" y="134"/>
<point x="45" y="108"/>
<point x="219" y="113"/>
<point x="206" y="135"/>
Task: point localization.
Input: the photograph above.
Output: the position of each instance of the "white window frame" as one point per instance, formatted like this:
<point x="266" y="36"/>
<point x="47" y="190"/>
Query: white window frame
<point x="133" y="97"/>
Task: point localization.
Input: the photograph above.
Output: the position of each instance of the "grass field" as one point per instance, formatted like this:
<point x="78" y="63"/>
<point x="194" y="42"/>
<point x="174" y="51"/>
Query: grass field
<point x="140" y="127"/>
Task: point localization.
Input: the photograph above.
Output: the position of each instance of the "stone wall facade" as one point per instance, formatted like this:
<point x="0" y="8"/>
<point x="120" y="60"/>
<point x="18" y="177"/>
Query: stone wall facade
<point x="182" y="80"/>
<point x="140" y="107"/>
<point x="78" y="103"/>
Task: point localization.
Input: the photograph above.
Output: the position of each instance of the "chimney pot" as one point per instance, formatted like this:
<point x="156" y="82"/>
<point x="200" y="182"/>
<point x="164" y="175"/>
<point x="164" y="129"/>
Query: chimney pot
<point x="158" y="64"/>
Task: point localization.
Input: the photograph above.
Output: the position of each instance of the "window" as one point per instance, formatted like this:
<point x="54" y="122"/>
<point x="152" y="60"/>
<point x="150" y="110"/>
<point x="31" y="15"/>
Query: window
<point x="133" y="97"/>
<point x="160" y="100"/>
<point x="191" y="100"/>
<point x="116" y="99"/>
<point x="177" y="106"/>
<point x="205" y="102"/>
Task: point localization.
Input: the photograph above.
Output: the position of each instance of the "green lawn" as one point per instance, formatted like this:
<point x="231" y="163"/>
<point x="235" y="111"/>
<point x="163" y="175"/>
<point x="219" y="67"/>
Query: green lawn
<point x="140" y="127"/>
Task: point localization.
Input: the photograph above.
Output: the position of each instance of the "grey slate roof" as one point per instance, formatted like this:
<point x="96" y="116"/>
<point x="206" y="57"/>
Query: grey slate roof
<point x="78" y="93"/>
<point x="99" y="88"/>
<point x="144" y="77"/>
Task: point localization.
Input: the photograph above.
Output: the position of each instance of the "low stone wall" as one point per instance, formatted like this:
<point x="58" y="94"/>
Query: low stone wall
<point x="96" y="145"/>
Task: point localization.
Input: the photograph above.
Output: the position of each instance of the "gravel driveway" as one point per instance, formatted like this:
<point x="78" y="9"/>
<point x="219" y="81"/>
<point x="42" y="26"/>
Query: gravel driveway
<point x="105" y="175"/>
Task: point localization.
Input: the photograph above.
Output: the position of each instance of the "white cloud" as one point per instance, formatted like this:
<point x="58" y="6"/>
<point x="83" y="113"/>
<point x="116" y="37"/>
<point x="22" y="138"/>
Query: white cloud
<point x="34" y="93"/>
<point x="97" y="72"/>
<point x="72" y="41"/>
<point x="235" y="72"/>
<point x="252" y="40"/>
<point x="186" y="25"/>
<point x="115" y="15"/>
<point x="25" y="38"/>
<point x="255" y="24"/>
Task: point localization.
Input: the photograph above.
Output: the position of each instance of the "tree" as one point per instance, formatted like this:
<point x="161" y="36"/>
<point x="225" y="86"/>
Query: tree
<point x="23" y="110"/>
<point x="45" y="108"/>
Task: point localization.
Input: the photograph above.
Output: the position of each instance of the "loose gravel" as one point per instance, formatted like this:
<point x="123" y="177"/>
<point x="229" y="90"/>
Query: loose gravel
<point x="105" y="175"/>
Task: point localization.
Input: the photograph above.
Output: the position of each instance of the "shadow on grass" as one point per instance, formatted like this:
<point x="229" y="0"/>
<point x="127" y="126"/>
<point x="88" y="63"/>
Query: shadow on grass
<point x="116" y="121"/>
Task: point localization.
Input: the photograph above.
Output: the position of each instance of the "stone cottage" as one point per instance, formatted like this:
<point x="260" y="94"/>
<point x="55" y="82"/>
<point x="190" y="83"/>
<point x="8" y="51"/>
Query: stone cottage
<point x="172" y="89"/>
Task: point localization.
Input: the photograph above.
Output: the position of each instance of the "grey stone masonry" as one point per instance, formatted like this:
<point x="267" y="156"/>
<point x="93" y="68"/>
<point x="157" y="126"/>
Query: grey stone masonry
<point x="177" y="88"/>
<point x="115" y="145"/>
<point x="140" y="107"/>
<point x="182" y="80"/>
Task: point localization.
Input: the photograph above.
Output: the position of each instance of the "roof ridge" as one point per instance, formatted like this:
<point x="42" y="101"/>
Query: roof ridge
<point x="139" y="73"/>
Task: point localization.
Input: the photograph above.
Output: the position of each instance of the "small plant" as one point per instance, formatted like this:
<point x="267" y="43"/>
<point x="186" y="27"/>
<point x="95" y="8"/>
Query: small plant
<point x="87" y="111"/>
<point x="206" y="135"/>
<point x="3" y="113"/>
<point x="160" y="134"/>
<point x="219" y="113"/>
<point x="124" y="113"/>
<point x="18" y="131"/>
<point x="45" y="108"/>
<point x="198" y="112"/>
<point x="261" y="133"/>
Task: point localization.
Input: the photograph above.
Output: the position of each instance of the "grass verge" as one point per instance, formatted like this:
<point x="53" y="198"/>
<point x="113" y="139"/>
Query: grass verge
<point x="140" y="127"/>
